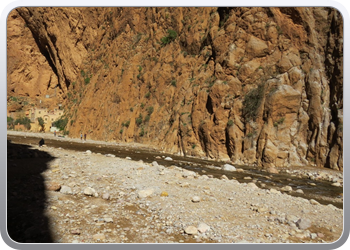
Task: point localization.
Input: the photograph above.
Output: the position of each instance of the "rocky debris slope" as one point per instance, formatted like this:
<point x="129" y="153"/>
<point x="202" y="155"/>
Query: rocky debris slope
<point x="250" y="85"/>
<point x="98" y="198"/>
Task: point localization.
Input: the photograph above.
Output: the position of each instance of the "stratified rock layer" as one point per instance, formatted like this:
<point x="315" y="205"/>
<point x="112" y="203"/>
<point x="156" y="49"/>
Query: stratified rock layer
<point x="251" y="85"/>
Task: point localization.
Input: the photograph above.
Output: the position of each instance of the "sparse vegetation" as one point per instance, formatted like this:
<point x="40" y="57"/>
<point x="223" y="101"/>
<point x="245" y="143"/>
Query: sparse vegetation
<point x="230" y="123"/>
<point x="10" y="122"/>
<point x="147" y="117"/>
<point x="279" y="121"/>
<point x="61" y="123"/>
<point x="150" y="110"/>
<point x="341" y="127"/>
<point x="142" y="132"/>
<point x="169" y="38"/>
<point x="249" y="135"/>
<point x="139" y="120"/>
<point x="86" y="76"/>
<point x="23" y="121"/>
<point x="41" y="123"/>
<point x="279" y="30"/>
<point x="173" y="83"/>
<point x="252" y="102"/>
<point x="126" y="124"/>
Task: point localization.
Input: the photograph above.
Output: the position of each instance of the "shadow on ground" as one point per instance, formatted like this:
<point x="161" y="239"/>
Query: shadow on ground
<point x="26" y="199"/>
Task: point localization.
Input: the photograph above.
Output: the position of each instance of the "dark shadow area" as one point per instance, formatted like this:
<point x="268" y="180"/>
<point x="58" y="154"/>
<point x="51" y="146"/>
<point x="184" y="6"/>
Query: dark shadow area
<point x="26" y="198"/>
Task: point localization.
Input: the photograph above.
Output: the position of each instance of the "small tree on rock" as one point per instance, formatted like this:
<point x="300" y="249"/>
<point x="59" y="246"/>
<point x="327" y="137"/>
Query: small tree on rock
<point x="41" y="123"/>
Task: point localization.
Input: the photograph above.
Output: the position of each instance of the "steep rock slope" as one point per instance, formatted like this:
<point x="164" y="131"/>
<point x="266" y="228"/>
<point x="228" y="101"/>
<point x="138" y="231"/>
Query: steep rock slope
<point x="251" y="85"/>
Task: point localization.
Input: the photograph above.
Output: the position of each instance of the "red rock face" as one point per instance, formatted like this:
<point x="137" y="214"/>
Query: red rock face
<point x="251" y="85"/>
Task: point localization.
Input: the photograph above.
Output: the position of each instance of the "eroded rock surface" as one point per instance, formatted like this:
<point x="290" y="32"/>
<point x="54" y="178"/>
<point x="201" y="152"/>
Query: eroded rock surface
<point x="251" y="85"/>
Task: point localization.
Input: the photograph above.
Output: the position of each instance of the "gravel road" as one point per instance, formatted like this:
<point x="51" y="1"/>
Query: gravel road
<point x="58" y="195"/>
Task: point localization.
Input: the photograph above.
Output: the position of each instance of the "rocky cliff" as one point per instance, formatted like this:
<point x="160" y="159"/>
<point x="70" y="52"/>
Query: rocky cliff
<point x="252" y="85"/>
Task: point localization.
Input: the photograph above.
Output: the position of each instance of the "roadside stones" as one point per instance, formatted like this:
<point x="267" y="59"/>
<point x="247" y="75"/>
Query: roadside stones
<point x="186" y="184"/>
<point x="223" y="177"/>
<point x="252" y="185"/>
<point x="287" y="189"/>
<point x="228" y="167"/>
<point x="259" y="208"/>
<point x="274" y="191"/>
<point x="303" y="223"/>
<point x="313" y="236"/>
<point x="75" y="231"/>
<point x="99" y="237"/>
<point x="272" y="170"/>
<point x="88" y="152"/>
<point x="66" y="190"/>
<point x="108" y="219"/>
<point x="154" y="164"/>
<point x="145" y="193"/>
<point x="202" y="227"/>
<point x="106" y="196"/>
<point x="164" y="194"/>
<point x="314" y="202"/>
<point x="53" y="186"/>
<point x="110" y="155"/>
<point x="168" y="158"/>
<point x="196" y="199"/>
<point x="191" y="230"/>
<point x="299" y="191"/>
<point x="90" y="192"/>
<point x="128" y="158"/>
<point x="188" y="174"/>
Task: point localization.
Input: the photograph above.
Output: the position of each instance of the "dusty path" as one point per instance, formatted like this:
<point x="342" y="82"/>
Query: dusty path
<point x="57" y="195"/>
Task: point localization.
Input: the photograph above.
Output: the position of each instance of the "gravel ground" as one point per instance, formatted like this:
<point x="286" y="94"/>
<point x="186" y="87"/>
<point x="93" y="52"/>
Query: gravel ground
<point x="57" y="195"/>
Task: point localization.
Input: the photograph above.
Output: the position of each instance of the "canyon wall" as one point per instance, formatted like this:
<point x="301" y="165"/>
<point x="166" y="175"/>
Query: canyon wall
<point x="255" y="85"/>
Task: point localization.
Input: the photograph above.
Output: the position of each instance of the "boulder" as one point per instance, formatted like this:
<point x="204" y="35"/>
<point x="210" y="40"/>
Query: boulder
<point x="303" y="223"/>
<point x="53" y="186"/>
<point x="228" y="167"/>
<point x="191" y="230"/>
<point x="145" y="193"/>
<point x="66" y="190"/>
<point x="202" y="227"/>
<point x="90" y="192"/>
<point x="196" y="199"/>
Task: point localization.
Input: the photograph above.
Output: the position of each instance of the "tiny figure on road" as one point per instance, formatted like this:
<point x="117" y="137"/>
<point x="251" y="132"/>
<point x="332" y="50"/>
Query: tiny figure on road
<point x="41" y="142"/>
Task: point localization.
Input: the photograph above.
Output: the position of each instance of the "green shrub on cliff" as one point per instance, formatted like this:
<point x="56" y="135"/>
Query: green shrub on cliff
<point x="169" y="38"/>
<point x="139" y="120"/>
<point x="10" y="122"/>
<point x="252" y="102"/>
<point x="60" y="123"/>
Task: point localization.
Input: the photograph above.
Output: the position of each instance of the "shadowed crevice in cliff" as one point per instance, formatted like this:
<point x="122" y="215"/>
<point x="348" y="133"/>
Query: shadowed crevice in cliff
<point x="40" y="39"/>
<point x="227" y="143"/>
<point x="209" y="106"/>
<point x="26" y="198"/>
<point x="224" y="13"/>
